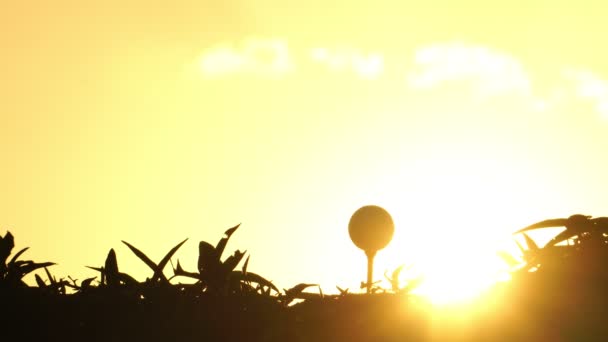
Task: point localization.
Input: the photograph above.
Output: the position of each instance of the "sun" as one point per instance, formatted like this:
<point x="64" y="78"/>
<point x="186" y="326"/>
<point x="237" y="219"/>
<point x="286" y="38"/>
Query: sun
<point x="458" y="262"/>
<point x="460" y="277"/>
<point x="460" y="217"/>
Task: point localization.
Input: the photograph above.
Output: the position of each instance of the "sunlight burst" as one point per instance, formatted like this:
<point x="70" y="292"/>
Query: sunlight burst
<point x="454" y="235"/>
<point x="460" y="279"/>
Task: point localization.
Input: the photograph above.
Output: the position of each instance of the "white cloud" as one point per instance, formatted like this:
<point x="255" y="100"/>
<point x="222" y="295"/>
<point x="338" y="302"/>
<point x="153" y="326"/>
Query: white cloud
<point x="590" y="86"/>
<point x="263" y="57"/>
<point x="365" y="65"/>
<point x="490" y="72"/>
<point x="485" y="71"/>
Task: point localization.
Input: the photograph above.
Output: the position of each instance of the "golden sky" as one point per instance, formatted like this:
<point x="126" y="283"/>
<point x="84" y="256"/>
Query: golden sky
<point x="152" y="121"/>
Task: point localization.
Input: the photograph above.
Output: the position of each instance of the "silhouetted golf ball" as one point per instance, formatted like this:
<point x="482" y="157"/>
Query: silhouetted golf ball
<point x="371" y="228"/>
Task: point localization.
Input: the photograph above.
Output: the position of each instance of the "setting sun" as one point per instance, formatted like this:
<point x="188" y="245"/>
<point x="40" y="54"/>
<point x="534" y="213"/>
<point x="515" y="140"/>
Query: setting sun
<point x="461" y="276"/>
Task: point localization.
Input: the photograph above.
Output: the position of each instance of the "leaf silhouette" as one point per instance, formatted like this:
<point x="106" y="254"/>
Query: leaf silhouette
<point x="521" y="248"/>
<point x="52" y="279"/>
<point x="86" y="283"/>
<point x="221" y="245"/>
<point x="244" y="270"/>
<point x="532" y="246"/>
<point x="208" y="259"/>
<point x="343" y="292"/>
<point x="141" y="255"/>
<point x="16" y="256"/>
<point x="101" y="272"/>
<point x="111" y="269"/>
<point x="394" y="278"/>
<point x="254" y="278"/>
<point x="576" y="225"/>
<point x="20" y="269"/>
<point x="579" y="222"/>
<point x="230" y="264"/>
<point x="39" y="281"/>
<point x="157" y="269"/>
<point x="163" y="263"/>
<point x="118" y="277"/>
<point x="563" y="236"/>
<point x="7" y="243"/>
<point x="179" y="271"/>
<point x="295" y="291"/>
<point x="560" y="222"/>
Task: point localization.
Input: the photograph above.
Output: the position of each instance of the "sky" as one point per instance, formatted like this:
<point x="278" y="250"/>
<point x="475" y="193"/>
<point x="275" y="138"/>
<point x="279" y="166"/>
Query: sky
<point x="155" y="121"/>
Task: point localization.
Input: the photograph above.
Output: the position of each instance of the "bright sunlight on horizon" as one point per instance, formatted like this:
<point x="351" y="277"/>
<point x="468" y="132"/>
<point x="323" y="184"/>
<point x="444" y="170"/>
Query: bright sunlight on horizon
<point x="154" y="123"/>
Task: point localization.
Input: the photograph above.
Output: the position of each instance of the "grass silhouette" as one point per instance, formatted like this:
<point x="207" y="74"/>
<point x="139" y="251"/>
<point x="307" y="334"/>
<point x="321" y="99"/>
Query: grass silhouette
<point x="557" y="293"/>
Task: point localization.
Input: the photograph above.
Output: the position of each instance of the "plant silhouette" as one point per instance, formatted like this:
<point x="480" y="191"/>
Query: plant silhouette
<point x="562" y="281"/>
<point x="158" y="276"/>
<point x="13" y="271"/>
<point x="578" y="227"/>
<point x="219" y="276"/>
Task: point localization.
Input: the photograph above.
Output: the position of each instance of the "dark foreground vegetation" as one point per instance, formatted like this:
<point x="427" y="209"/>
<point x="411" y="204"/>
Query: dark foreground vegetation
<point x="558" y="293"/>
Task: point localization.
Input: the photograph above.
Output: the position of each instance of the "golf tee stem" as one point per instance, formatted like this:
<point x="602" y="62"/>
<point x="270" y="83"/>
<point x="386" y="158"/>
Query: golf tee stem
<point x="370" y="269"/>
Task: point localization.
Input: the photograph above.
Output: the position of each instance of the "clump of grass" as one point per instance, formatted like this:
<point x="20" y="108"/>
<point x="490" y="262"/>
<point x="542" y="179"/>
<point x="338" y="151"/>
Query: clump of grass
<point x="13" y="271"/>
<point x="221" y="277"/>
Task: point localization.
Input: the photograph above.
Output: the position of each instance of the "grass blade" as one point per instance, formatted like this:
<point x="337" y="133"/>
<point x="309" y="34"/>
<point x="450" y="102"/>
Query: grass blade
<point x="51" y="278"/>
<point x="521" y="248"/>
<point x="560" y="222"/>
<point x="16" y="256"/>
<point x="532" y="246"/>
<point x="158" y="273"/>
<point x="343" y="292"/>
<point x="39" y="281"/>
<point x="245" y="265"/>
<point x="141" y="256"/>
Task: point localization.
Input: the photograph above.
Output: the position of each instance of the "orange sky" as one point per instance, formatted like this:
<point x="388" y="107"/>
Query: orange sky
<point x="156" y="121"/>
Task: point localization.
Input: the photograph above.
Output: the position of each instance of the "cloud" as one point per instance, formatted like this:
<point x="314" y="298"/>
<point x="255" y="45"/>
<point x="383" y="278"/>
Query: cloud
<point x="589" y="86"/>
<point x="364" y="65"/>
<point x="261" y="57"/>
<point x="490" y="72"/>
<point x="485" y="71"/>
<point x="273" y="58"/>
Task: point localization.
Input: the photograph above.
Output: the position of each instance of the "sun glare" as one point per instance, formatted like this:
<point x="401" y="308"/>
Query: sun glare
<point x="460" y="278"/>
<point x="454" y="237"/>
